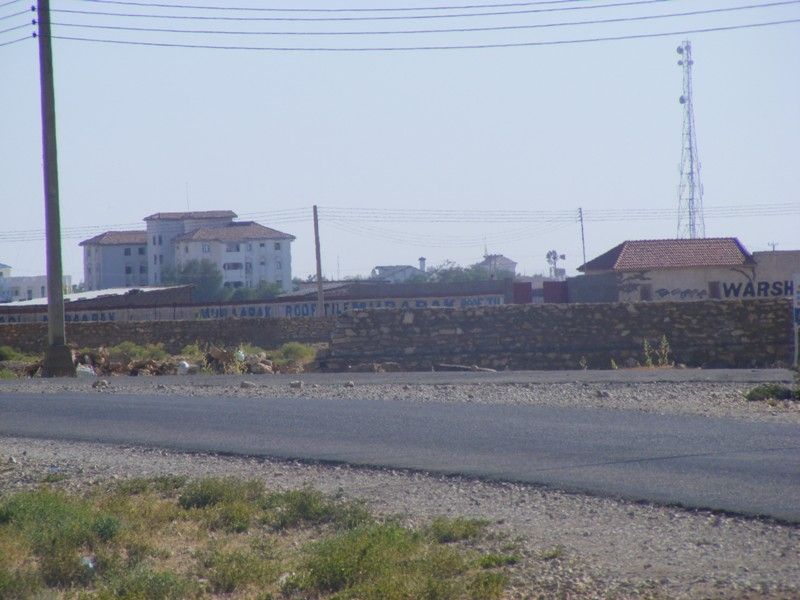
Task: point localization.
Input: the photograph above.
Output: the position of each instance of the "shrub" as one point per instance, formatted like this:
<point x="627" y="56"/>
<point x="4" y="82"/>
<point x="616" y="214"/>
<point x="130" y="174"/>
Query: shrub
<point x="446" y="531"/>
<point x="214" y="490"/>
<point x="130" y="351"/>
<point x="771" y="391"/>
<point x="310" y="507"/>
<point x="232" y="570"/>
<point x="492" y="561"/>
<point x="295" y="352"/>
<point x="9" y="353"/>
<point x="7" y="374"/>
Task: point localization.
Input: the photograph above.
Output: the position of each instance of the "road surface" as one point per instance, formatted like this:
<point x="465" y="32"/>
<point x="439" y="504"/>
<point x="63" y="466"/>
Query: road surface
<point x="737" y="466"/>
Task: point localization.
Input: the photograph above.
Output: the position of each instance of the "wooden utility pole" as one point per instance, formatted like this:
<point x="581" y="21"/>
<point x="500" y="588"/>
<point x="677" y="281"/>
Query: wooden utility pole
<point x="583" y="239"/>
<point x="320" y="299"/>
<point x="57" y="357"/>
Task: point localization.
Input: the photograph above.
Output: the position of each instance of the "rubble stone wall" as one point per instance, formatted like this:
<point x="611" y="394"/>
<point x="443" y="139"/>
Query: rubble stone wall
<point x="266" y="333"/>
<point x="733" y="334"/>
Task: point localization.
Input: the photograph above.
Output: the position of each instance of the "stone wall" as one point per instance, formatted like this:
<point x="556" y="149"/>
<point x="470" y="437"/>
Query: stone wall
<point x="755" y="333"/>
<point x="266" y="333"/>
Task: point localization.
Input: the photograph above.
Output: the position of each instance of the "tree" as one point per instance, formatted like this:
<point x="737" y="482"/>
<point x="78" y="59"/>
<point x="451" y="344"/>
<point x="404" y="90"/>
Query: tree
<point x="264" y="291"/>
<point x="449" y="272"/>
<point x="203" y="274"/>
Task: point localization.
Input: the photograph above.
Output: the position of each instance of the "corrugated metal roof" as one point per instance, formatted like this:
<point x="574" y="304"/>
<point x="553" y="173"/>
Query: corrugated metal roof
<point x="118" y="238"/>
<point x="647" y="255"/>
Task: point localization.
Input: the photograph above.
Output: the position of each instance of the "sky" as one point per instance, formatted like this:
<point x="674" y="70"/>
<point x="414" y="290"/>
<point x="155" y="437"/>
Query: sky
<point x="397" y="146"/>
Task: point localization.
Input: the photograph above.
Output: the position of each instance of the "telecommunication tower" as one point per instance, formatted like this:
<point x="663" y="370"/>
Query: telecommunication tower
<point x="690" y="189"/>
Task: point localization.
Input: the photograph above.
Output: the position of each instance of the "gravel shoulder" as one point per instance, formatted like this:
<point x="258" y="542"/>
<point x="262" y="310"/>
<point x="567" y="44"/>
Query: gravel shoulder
<point x="692" y="392"/>
<point x="572" y="546"/>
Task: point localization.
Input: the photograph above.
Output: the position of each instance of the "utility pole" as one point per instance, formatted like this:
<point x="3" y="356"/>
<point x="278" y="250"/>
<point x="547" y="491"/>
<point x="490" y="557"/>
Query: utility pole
<point x="57" y="357"/>
<point x="583" y="239"/>
<point x="320" y="299"/>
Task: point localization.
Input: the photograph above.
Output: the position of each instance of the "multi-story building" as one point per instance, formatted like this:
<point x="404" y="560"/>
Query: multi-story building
<point x="14" y="288"/>
<point x="245" y="252"/>
<point x="115" y="259"/>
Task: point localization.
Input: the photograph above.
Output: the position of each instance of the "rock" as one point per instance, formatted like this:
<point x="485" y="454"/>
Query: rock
<point x="247" y="385"/>
<point x="350" y="384"/>
<point x="602" y="394"/>
<point x="259" y="368"/>
<point x="84" y="371"/>
<point x="297" y="385"/>
<point x="12" y="460"/>
<point x="101" y="384"/>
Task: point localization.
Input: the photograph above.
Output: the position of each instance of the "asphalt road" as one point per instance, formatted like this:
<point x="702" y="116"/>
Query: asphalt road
<point x="737" y="466"/>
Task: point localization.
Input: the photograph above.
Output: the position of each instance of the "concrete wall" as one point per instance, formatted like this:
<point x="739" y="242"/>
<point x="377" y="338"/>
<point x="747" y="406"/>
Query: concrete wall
<point x="755" y="333"/>
<point x="32" y="337"/>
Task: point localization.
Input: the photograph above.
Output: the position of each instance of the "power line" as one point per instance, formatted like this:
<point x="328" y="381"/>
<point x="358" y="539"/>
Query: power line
<point x="4" y="4"/>
<point x="426" y="31"/>
<point x="22" y="39"/>
<point x="379" y="18"/>
<point x="429" y="48"/>
<point x="23" y="26"/>
<point x="330" y="10"/>
<point x="16" y="14"/>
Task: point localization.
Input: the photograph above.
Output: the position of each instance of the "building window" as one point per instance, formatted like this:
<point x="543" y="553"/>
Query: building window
<point x="128" y="270"/>
<point x="41" y="292"/>
<point x="235" y="266"/>
<point x="154" y="240"/>
<point x="160" y="241"/>
<point x="248" y="267"/>
<point x="713" y="290"/>
<point x="232" y="247"/>
<point x="262" y="245"/>
<point x="277" y="246"/>
<point x="141" y="250"/>
<point x="249" y="247"/>
<point x="127" y="252"/>
<point x="30" y="294"/>
<point x="161" y="259"/>
<point x="278" y="265"/>
<point x="155" y="259"/>
<point x="646" y="292"/>
<point x="142" y="268"/>
<point x="206" y="248"/>
<point x="89" y="269"/>
<point x="263" y="263"/>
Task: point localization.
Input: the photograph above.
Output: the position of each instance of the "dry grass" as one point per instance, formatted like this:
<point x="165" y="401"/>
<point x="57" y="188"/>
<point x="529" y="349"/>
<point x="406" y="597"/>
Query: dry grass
<point x="170" y="538"/>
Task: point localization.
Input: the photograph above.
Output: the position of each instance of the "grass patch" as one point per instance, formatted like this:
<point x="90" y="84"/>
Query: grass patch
<point x="126" y="352"/>
<point x="7" y="374"/>
<point x="167" y="538"/>
<point x="9" y="353"/>
<point x="771" y="391"/>
<point x="493" y="561"/>
<point x="446" y="531"/>
<point x="292" y="353"/>
<point x="553" y="553"/>
<point x="307" y="506"/>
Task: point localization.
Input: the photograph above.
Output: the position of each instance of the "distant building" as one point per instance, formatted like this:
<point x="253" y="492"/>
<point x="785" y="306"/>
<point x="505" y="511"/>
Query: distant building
<point x="398" y="273"/>
<point x="498" y="264"/>
<point x="245" y="252"/>
<point x="682" y="270"/>
<point x="16" y="288"/>
<point x="115" y="259"/>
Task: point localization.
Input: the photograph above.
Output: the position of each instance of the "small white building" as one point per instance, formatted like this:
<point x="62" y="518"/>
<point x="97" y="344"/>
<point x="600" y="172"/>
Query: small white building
<point x="115" y="259"/>
<point x="14" y="289"/>
<point x="398" y="273"/>
<point x="247" y="253"/>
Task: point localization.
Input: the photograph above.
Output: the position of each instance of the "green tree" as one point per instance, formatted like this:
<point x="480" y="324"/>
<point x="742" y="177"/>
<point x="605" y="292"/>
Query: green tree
<point x="203" y="274"/>
<point x="264" y="291"/>
<point x="449" y="271"/>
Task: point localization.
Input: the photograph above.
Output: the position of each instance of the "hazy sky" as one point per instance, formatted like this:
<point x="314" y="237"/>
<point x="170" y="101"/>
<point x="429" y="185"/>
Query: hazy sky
<point x="594" y="125"/>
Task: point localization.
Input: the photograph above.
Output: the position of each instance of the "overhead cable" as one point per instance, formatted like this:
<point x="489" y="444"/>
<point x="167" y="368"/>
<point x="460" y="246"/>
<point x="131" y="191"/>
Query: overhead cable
<point x="379" y="18"/>
<point x="426" y="31"/>
<point x="331" y="10"/>
<point x="487" y="46"/>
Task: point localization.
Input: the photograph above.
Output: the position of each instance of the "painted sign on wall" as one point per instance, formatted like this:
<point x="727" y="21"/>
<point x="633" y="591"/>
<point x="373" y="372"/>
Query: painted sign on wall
<point x="758" y="289"/>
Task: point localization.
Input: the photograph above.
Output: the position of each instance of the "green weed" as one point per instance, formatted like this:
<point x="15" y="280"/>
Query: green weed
<point x="445" y="530"/>
<point x="771" y="391"/>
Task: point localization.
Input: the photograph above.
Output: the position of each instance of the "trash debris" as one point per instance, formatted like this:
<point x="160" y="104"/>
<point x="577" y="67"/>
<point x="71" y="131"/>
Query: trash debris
<point x="84" y="371"/>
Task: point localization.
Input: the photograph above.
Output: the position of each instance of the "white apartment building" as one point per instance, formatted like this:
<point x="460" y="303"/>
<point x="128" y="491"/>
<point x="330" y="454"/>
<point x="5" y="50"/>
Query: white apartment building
<point x="15" y="288"/>
<point x="115" y="259"/>
<point x="247" y="253"/>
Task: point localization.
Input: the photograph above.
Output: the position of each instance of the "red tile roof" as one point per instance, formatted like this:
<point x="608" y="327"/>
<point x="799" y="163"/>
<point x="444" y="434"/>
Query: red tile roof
<point x="201" y="214"/>
<point x="647" y="255"/>
<point x="234" y="232"/>
<point x="118" y="238"/>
